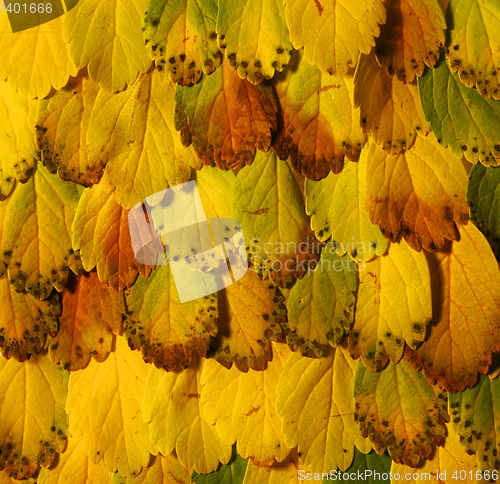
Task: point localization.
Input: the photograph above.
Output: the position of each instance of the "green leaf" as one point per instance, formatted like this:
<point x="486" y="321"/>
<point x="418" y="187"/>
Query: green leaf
<point x="475" y="413"/>
<point x="231" y="473"/>
<point x="474" y="49"/>
<point x="321" y="305"/>
<point x="483" y="194"/>
<point x="182" y="38"/>
<point x="370" y="462"/>
<point x="269" y="204"/>
<point x="460" y="117"/>
<point x="255" y="37"/>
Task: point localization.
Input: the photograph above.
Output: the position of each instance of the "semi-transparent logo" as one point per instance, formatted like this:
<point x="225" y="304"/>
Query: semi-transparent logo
<point x="27" y="14"/>
<point x="204" y="258"/>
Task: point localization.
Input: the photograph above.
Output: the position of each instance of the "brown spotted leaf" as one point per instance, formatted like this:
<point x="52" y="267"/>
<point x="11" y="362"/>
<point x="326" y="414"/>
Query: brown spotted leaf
<point x="411" y="37"/>
<point x="466" y="314"/>
<point x="419" y="194"/>
<point x="393" y="307"/>
<point x="25" y="322"/>
<point x="101" y="233"/>
<point x="320" y="124"/>
<point x="251" y="312"/>
<point x="35" y="241"/>
<point x="474" y="49"/>
<point x="91" y="313"/>
<point x="399" y="411"/>
<point x="226" y="118"/>
<point x="391" y="111"/>
<point x="167" y="331"/>
<point x="61" y="131"/>
<point x="181" y="36"/>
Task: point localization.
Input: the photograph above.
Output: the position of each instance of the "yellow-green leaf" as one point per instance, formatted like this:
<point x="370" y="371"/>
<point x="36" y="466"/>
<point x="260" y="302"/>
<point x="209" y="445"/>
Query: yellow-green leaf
<point x="315" y="403"/>
<point x="173" y="410"/>
<point x="399" y="411"/>
<point x="466" y="311"/>
<point x="268" y="202"/>
<point x="167" y="331"/>
<point x="101" y="233"/>
<point x="254" y="36"/>
<point x="393" y="307"/>
<point x="411" y="37"/>
<point x="320" y="123"/>
<point x="243" y="408"/>
<point x="35" y="242"/>
<point x="181" y="36"/>
<point x="391" y="111"/>
<point x="105" y="406"/>
<point x="333" y="33"/>
<point x="336" y="205"/>
<point x="36" y="59"/>
<point x="321" y="305"/>
<point x="418" y="195"/>
<point x="61" y="130"/>
<point x="33" y="430"/>
<point x="134" y="131"/>
<point x="474" y="48"/>
<point x="475" y="415"/>
<point x="106" y="37"/>
<point x="25" y="322"/>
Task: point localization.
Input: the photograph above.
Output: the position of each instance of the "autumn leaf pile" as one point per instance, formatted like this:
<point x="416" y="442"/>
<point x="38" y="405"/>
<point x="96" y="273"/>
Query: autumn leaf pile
<point x="360" y="138"/>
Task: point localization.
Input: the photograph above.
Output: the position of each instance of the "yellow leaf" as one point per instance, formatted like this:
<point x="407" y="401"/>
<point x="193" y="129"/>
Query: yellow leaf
<point x="446" y="462"/>
<point x="107" y="37"/>
<point x="254" y="36"/>
<point x="167" y="331"/>
<point x="75" y="466"/>
<point x="61" y="130"/>
<point x="279" y="473"/>
<point x="101" y="233"/>
<point x="32" y="397"/>
<point x="334" y="32"/>
<point x="36" y="59"/>
<point x="105" y="406"/>
<point x="336" y="205"/>
<point x="411" y="37"/>
<point x="466" y="310"/>
<point x="315" y="402"/>
<point x="173" y="410"/>
<point x="419" y="194"/>
<point x="182" y="38"/>
<point x="16" y="139"/>
<point x="92" y="312"/>
<point x="251" y="313"/>
<point x="134" y="131"/>
<point x="393" y="307"/>
<point x="164" y="470"/>
<point x="320" y="124"/>
<point x="35" y="243"/>
<point x="226" y="118"/>
<point x="243" y="408"/>
<point x="391" y="111"/>
<point x="400" y="412"/>
<point x="25" y="322"/>
<point x="474" y="49"/>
